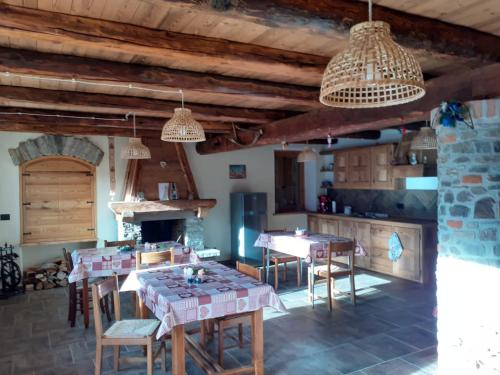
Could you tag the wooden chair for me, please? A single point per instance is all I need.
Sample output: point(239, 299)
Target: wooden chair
point(280, 258)
point(123, 332)
point(75, 294)
point(150, 258)
point(130, 243)
point(332, 270)
point(235, 320)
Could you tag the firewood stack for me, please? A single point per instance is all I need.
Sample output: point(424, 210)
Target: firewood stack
point(47, 276)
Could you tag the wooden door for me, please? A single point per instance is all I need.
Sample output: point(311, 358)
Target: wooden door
point(57, 200)
point(359, 168)
point(381, 157)
point(340, 168)
point(362, 233)
point(408, 266)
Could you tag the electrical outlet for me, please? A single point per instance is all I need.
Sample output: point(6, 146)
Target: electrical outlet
point(5, 217)
point(400, 206)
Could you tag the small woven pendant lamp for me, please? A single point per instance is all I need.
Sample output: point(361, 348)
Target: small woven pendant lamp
point(135, 149)
point(374, 71)
point(182, 127)
point(307, 155)
point(424, 140)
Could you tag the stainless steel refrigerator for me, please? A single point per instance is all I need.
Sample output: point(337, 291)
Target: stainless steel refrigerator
point(248, 220)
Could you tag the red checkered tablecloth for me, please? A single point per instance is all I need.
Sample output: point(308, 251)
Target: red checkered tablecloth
point(309, 247)
point(104, 262)
point(225, 292)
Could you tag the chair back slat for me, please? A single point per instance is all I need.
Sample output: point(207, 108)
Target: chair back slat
point(249, 270)
point(101, 290)
point(130, 243)
point(341, 246)
point(153, 257)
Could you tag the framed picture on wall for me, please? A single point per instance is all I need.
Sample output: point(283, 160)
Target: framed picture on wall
point(237, 171)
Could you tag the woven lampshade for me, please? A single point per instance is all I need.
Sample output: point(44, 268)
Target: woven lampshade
point(182, 127)
point(373, 71)
point(306, 155)
point(135, 150)
point(424, 140)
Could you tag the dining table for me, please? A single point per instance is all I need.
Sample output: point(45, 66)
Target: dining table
point(176, 301)
point(311, 247)
point(104, 262)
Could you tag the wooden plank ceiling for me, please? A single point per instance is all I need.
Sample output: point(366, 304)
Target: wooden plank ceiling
point(252, 63)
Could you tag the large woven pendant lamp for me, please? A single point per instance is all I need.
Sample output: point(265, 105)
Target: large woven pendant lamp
point(182, 127)
point(373, 71)
point(135, 149)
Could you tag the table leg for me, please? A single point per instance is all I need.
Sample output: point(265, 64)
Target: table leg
point(310, 280)
point(258, 342)
point(85, 302)
point(178, 345)
point(267, 264)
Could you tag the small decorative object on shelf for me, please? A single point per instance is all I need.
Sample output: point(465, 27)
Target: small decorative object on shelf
point(326, 184)
point(324, 204)
point(450, 113)
point(10, 272)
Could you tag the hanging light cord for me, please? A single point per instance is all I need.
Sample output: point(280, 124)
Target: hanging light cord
point(124, 118)
point(370, 10)
point(89, 83)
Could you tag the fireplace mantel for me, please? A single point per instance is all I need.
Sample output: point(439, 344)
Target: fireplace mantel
point(134, 212)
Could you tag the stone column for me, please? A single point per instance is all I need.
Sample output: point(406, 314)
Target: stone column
point(468, 268)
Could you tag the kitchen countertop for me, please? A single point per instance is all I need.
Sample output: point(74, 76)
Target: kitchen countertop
point(390, 219)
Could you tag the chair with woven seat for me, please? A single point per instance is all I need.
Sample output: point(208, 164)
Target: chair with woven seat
point(130, 243)
point(278, 258)
point(332, 270)
point(123, 332)
point(150, 258)
point(229, 321)
point(75, 294)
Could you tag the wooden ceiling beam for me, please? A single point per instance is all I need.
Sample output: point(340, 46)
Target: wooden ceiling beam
point(198, 52)
point(474, 84)
point(28, 97)
point(213, 87)
point(44, 121)
point(334, 18)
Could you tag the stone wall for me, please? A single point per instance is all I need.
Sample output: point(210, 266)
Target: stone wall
point(468, 269)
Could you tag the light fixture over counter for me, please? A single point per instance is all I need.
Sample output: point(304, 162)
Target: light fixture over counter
point(373, 71)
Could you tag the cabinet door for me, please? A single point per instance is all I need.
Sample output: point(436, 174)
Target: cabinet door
point(362, 233)
point(359, 168)
point(333, 227)
point(313, 224)
point(381, 157)
point(379, 248)
point(322, 225)
point(340, 164)
point(408, 266)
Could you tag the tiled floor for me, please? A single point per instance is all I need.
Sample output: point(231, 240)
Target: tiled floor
point(390, 331)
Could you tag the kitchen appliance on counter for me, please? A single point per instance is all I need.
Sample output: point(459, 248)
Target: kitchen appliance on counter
point(324, 204)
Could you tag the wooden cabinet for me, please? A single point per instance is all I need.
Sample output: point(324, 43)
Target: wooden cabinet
point(417, 261)
point(381, 157)
point(364, 168)
point(359, 168)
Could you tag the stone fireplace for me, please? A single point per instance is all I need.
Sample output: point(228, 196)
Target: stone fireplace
point(188, 231)
point(157, 221)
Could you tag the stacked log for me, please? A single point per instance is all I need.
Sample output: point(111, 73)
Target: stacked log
point(47, 276)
